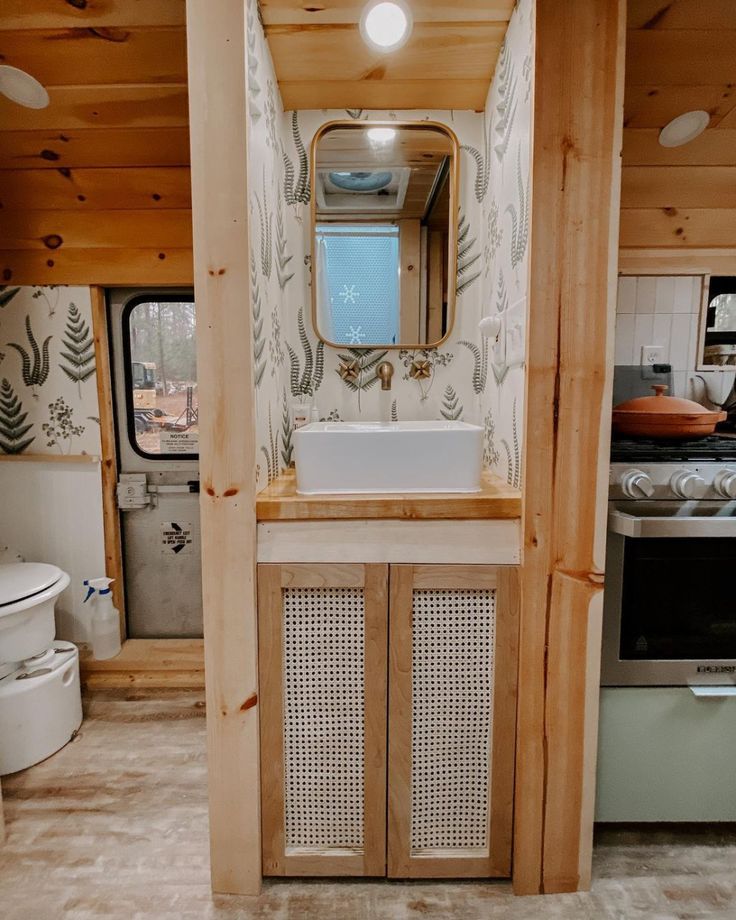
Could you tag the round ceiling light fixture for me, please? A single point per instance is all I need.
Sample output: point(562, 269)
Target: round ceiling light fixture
point(381, 135)
point(22, 88)
point(684, 128)
point(386, 26)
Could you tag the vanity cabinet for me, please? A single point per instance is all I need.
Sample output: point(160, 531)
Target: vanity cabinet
point(387, 718)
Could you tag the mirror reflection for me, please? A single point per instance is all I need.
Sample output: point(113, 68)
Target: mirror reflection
point(384, 229)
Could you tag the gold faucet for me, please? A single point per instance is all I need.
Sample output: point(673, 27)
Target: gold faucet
point(385, 372)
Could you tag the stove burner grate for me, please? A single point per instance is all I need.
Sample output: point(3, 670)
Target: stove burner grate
point(713, 447)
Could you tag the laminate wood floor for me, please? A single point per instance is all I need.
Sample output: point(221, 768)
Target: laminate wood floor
point(115, 826)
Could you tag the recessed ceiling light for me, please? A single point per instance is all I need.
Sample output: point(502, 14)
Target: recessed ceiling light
point(381, 135)
point(684, 128)
point(22, 88)
point(386, 26)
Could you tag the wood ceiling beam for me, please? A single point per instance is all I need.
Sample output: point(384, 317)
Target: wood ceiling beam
point(94, 147)
point(713, 148)
point(73, 57)
point(342, 11)
point(693, 15)
point(385, 94)
point(75, 107)
point(51, 231)
point(107, 267)
point(653, 106)
point(156, 187)
point(40, 14)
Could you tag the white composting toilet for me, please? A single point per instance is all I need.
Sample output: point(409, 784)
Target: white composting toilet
point(40, 698)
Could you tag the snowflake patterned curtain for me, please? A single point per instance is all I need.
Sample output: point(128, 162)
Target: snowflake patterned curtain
point(361, 264)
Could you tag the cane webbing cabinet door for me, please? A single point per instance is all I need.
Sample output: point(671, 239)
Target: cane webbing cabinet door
point(322, 674)
point(453, 633)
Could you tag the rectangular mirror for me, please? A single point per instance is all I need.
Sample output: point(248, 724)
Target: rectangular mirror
point(384, 233)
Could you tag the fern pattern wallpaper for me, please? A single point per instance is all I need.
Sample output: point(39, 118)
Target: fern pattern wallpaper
point(472, 378)
point(48, 394)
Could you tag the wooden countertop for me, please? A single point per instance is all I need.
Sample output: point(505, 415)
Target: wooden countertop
point(280, 502)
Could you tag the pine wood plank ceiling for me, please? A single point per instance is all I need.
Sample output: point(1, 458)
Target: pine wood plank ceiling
point(322, 62)
point(95, 188)
point(680, 55)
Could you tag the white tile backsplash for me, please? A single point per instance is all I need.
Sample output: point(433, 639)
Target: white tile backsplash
point(680, 356)
point(646, 294)
point(659, 310)
point(626, 302)
point(686, 299)
point(662, 333)
point(624, 349)
point(643, 332)
point(664, 295)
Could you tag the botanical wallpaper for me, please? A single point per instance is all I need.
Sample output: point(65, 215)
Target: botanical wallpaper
point(502, 190)
point(48, 396)
point(469, 379)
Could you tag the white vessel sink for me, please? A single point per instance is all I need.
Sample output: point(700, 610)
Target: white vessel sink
point(339, 457)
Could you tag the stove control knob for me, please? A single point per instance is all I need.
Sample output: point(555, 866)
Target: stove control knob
point(637, 484)
point(687, 484)
point(725, 483)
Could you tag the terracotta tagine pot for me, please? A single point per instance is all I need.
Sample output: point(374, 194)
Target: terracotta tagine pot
point(661, 416)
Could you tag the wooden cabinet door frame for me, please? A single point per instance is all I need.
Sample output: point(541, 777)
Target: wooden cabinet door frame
point(370, 860)
point(405, 579)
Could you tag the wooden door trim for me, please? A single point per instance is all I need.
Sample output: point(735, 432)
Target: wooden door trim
point(109, 453)
point(403, 581)
point(272, 579)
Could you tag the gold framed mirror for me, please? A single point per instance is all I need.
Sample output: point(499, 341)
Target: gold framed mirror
point(384, 214)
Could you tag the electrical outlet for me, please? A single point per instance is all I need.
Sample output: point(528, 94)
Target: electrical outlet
point(651, 354)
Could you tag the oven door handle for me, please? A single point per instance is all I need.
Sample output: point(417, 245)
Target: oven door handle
point(630, 525)
point(713, 692)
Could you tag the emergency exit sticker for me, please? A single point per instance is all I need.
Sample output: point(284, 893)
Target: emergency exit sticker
point(176, 537)
point(179, 442)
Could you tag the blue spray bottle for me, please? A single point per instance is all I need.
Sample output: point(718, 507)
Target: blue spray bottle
point(105, 619)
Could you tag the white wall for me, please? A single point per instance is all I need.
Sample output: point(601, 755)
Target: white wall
point(660, 310)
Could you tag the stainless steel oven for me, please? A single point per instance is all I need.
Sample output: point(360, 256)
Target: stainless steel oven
point(670, 600)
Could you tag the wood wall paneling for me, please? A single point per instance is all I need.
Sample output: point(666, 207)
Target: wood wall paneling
point(680, 56)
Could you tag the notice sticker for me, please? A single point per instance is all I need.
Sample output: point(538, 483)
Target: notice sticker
point(176, 538)
point(179, 442)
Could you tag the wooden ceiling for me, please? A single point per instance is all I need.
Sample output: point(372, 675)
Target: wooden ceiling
point(95, 188)
point(680, 55)
point(321, 60)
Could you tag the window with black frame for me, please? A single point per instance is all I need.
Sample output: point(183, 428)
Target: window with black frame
point(161, 377)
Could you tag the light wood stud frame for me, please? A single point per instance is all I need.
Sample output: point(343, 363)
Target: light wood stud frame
point(108, 448)
point(578, 113)
point(219, 152)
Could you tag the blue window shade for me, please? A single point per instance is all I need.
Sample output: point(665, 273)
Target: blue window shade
point(360, 264)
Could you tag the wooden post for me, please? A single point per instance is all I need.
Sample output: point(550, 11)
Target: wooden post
point(578, 112)
point(217, 114)
point(109, 455)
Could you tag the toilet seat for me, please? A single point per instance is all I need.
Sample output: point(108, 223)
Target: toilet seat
point(28, 593)
point(22, 580)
